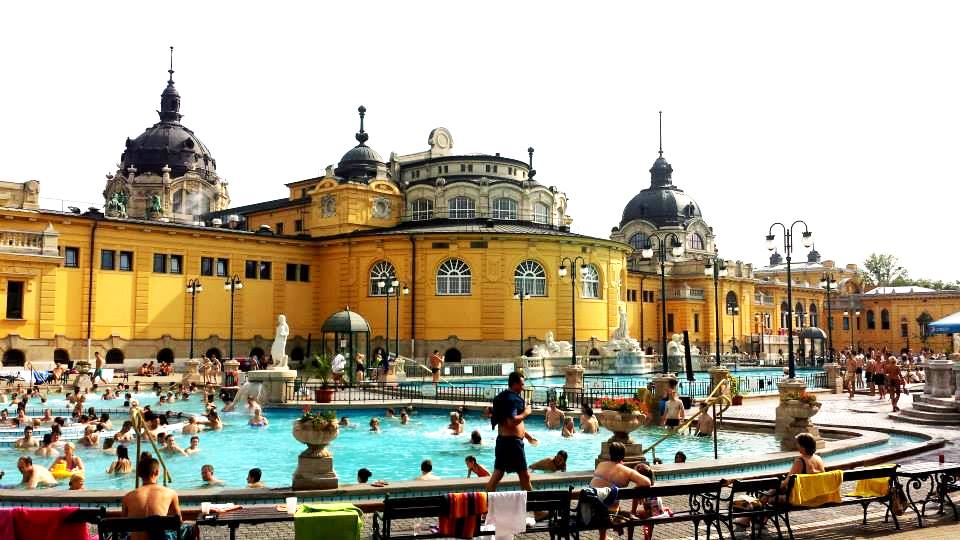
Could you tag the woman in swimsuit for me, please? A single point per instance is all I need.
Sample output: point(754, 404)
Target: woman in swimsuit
point(808, 462)
point(615, 473)
point(71, 462)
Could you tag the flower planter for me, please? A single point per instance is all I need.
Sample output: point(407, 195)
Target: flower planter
point(621, 424)
point(799, 410)
point(323, 395)
point(316, 438)
point(737, 400)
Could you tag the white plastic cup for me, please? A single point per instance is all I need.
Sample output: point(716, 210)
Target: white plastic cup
point(291, 505)
point(204, 508)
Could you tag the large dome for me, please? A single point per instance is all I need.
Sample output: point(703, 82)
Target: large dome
point(169, 143)
point(663, 203)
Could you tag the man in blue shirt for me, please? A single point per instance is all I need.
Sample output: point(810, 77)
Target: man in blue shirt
point(508, 413)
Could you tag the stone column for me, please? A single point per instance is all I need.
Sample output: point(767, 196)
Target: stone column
point(663, 384)
point(192, 372)
point(834, 380)
point(275, 383)
point(789, 420)
point(940, 378)
point(573, 383)
point(956, 375)
point(231, 366)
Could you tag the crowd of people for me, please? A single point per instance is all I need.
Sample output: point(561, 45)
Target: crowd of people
point(881, 372)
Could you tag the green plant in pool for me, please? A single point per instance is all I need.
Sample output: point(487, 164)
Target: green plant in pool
point(321, 420)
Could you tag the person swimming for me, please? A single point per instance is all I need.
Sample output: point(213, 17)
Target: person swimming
point(258, 419)
point(375, 425)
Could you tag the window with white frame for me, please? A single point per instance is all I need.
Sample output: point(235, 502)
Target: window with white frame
point(638, 241)
point(695, 241)
point(462, 208)
point(421, 209)
point(530, 279)
point(381, 273)
point(541, 213)
point(590, 282)
point(453, 278)
point(504, 208)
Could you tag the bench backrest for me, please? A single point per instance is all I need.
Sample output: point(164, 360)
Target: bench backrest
point(154, 526)
point(414, 507)
point(756, 485)
point(703, 497)
point(870, 472)
point(543, 501)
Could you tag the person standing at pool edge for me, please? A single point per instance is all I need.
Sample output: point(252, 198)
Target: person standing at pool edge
point(436, 362)
point(508, 413)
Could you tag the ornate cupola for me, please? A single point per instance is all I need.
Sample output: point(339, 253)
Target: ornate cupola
point(814, 256)
point(775, 259)
point(360, 163)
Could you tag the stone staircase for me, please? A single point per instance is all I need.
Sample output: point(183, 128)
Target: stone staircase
point(929, 411)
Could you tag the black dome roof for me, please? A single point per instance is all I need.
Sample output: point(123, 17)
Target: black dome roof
point(169, 143)
point(663, 203)
point(361, 161)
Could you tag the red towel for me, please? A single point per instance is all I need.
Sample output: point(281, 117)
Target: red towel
point(463, 519)
point(6, 524)
point(47, 524)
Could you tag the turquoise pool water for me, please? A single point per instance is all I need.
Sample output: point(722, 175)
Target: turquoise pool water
point(394, 454)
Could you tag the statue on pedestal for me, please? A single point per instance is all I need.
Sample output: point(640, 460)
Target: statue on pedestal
point(278, 350)
point(675, 346)
point(552, 348)
point(621, 340)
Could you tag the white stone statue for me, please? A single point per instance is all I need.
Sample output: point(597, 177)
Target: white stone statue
point(621, 340)
point(694, 351)
point(279, 349)
point(675, 346)
point(956, 342)
point(551, 348)
point(621, 332)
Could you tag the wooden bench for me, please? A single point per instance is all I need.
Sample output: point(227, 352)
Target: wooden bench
point(156, 527)
point(554, 503)
point(703, 506)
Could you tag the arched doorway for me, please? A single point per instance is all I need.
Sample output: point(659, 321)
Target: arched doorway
point(297, 354)
point(528, 353)
point(165, 356)
point(594, 352)
point(258, 352)
point(61, 356)
point(114, 356)
point(452, 355)
point(14, 358)
point(214, 352)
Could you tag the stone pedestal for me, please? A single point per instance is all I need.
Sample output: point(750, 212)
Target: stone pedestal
point(231, 368)
point(621, 424)
point(956, 374)
point(940, 378)
point(663, 384)
point(792, 417)
point(573, 383)
point(275, 383)
point(192, 373)
point(315, 472)
point(717, 375)
point(834, 380)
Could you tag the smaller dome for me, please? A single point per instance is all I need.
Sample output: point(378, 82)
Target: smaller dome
point(813, 256)
point(775, 259)
point(361, 161)
point(345, 321)
point(361, 152)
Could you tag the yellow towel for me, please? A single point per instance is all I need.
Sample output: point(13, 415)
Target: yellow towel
point(813, 490)
point(871, 487)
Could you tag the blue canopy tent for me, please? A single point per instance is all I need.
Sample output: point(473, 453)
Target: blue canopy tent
point(947, 325)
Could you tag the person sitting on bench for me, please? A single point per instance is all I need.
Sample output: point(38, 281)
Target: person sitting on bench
point(150, 499)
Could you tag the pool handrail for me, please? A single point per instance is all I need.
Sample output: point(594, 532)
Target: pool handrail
point(442, 378)
point(139, 427)
point(722, 398)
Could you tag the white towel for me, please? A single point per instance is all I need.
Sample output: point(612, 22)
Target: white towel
point(507, 512)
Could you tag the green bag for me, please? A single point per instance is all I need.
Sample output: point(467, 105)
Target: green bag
point(328, 521)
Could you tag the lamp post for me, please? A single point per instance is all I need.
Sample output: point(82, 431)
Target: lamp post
point(807, 239)
point(522, 295)
point(856, 314)
point(828, 280)
point(564, 261)
point(733, 310)
point(759, 317)
point(676, 249)
point(193, 287)
point(233, 285)
point(717, 268)
point(399, 289)
point(386, 297)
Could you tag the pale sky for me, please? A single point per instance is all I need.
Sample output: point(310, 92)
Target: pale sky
point(844, 114)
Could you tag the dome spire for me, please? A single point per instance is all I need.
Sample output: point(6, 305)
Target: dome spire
point(533, 171)
point(170, 98)
point(362, 135)
point(658, 112)
point(661, 172)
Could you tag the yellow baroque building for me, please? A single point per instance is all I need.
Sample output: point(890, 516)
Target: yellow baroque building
point(432, 248)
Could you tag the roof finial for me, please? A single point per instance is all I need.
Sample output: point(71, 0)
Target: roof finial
point(661, 132)
point(170, 71)
point(532, 171)
point(362, 135)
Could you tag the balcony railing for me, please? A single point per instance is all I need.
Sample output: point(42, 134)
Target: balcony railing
point(762, 300)
point(29, 243)
point(685, 293)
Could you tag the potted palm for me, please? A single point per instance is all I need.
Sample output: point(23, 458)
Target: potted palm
point(736, 393)
point(321, 367)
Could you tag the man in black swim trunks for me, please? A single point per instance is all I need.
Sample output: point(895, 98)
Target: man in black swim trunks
point(436, 362)
point(508, 413)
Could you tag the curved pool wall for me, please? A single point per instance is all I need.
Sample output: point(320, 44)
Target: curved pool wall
point(849, 448)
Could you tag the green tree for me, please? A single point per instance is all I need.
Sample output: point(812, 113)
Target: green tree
point(883, 269)
point(923, 320)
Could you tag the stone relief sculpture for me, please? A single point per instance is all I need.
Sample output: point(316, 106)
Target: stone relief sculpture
point(550, 348)
point(675, 346)
point(279, 348)
point(117, 205)
point(156, 207)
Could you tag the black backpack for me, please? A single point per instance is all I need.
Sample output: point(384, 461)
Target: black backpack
point(591, 511)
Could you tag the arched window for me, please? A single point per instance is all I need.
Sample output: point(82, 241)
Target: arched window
point(541, 213)
point(590, 280)
point(14, 358)
point(884, 320)
point(452, 355)
point(61, 356)
point(733, 305)
point(638, 241)
point(462, 208)
point(814, 316)
point(504, 208)
point(453, 278)
point(529, 278)
point(114, 356)
point(165, 356)
point(800, 315)
point(784, 313)
point(178, 201)
point(382, 275)
point(871, 320)
point(214, 352)
point(695, 241)
point(421, 209)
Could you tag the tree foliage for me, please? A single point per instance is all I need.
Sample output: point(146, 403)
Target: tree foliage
point(882, 270)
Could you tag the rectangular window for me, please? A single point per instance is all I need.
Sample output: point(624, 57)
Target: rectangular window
point(494, 168)
point(463, 168)
point(696, 322)
point(176, 264)
point(858, 323)
point(488, 168)
point(264, 269)
point(298, 225)
point(303, 193)
point(14, 299)
point(223, 267)
point(126, 261)
point(250, 270)
point(160, 263)
point(669, 322)
point(206, 266)
point(830, 323)
point(904, 331)
point(470, 168)
point(108, 259)
point(279, 228)
point(291, 272)
point(71, 257)
point(846, 323)
point(304, 272)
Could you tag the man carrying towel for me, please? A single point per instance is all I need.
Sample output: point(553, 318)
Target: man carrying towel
point(508, 413)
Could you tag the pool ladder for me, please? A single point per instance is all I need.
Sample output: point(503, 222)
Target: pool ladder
point(716, 397)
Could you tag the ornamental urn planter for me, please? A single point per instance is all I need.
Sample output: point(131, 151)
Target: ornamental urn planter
point(621, 424)
point(799, 410)
point(316, 438)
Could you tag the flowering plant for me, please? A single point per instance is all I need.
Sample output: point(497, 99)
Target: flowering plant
point(623, 405)
point(320, 419)
point(803, 397)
